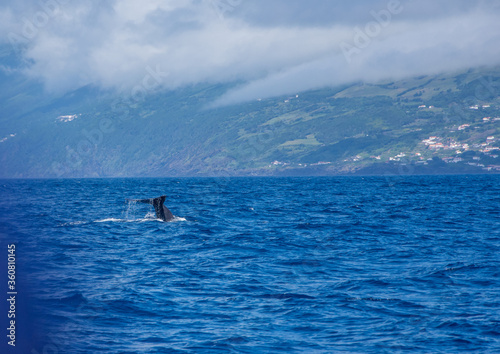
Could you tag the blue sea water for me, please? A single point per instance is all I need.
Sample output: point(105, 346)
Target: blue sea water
point(255, 265)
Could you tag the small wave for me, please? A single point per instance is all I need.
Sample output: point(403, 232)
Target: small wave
point(153, 218)
point(145, 219)
point(286, 296)
point(73, 223)
point(126, 220)
point(111, 220)
point(75, 299)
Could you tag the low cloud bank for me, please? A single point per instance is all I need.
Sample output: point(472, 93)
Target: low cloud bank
point(276, 49)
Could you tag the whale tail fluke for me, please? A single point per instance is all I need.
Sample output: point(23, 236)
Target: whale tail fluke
point(162, 212)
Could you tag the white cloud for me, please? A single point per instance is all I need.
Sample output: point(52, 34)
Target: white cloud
point(277, 48)
point(408, 49)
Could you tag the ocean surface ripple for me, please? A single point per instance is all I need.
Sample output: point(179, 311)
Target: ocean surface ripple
point(316, 265)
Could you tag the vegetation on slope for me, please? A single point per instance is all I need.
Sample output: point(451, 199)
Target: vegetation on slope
point(358, 128)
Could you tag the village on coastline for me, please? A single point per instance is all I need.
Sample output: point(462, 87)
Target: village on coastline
point(476, 148)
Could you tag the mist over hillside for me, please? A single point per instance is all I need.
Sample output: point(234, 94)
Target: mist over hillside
point(426, 124)
point(183, 88)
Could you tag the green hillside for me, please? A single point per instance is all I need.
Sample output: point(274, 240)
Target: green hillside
point(359, 128)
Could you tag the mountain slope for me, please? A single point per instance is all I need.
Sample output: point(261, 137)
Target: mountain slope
point(363, 128)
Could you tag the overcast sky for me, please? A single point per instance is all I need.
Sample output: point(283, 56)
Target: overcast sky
point(274, 47)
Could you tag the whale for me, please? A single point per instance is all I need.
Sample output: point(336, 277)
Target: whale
point(162, 212)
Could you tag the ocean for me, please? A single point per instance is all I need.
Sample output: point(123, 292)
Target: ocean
point(253, 265)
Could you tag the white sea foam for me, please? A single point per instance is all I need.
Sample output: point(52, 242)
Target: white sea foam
point(74, 223)
point(147, 218)
point(111, 220)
